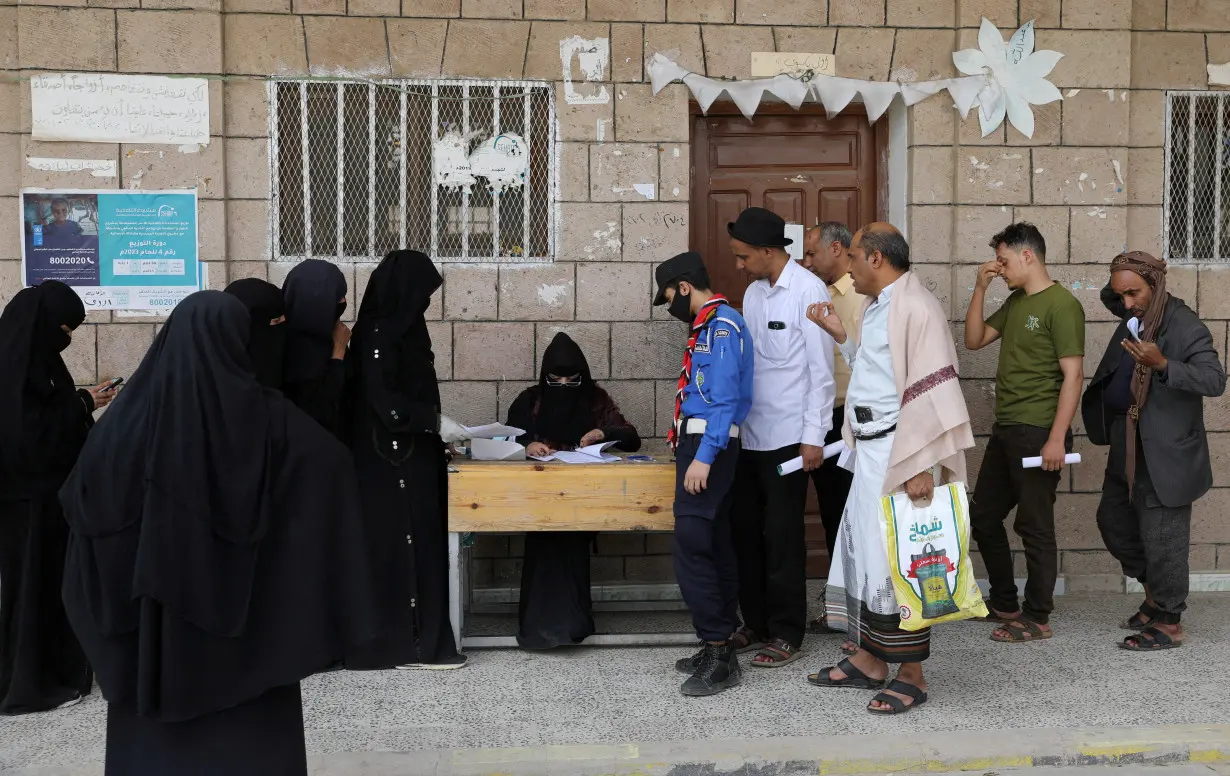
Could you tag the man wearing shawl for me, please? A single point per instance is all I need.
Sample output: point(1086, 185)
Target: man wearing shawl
point(1146, 400)
point(905, 416)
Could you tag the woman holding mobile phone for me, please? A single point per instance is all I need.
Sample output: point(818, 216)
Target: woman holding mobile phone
point(44, 420)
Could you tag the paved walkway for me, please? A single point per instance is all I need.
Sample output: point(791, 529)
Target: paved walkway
point(617, 696)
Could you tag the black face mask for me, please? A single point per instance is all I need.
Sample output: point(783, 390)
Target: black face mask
point(681, 307)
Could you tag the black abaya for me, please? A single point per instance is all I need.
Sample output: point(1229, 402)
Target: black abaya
point(555, 607)
point(314, 380)
point(43, 424)
point(216, 555)
point(401, 464)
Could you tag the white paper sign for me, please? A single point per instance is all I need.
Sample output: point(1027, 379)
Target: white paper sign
point(795, 232)
point(110, 108)
point(504, 160)
point(99, 168)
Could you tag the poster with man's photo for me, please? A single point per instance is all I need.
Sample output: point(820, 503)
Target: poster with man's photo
point(120, 250)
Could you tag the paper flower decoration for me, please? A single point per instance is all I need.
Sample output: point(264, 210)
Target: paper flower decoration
point(1016, 77)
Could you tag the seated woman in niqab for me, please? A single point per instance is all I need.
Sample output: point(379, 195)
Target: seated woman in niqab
point(267, 343)
point(315, 373)
point(564, 411)
point(44, 420)
point(216, 557)
point(394, 428)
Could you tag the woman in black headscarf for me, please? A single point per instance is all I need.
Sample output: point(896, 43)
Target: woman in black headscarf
point(315, 376)
point(564, 411)
point(394, 430)
point(216, 557)
point(267, 343)
point(44, 420)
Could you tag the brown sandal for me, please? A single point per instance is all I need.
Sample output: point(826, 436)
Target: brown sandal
point(1019, 631)
point(745, 640)
point(777, 653)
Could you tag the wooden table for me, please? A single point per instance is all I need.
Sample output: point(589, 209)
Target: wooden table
point(517, 496)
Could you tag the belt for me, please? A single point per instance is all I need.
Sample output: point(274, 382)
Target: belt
point(877, 435)
point(698, 426)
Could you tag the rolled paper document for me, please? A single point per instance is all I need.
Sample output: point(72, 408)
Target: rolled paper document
point(794, 464)
point(1036, 461)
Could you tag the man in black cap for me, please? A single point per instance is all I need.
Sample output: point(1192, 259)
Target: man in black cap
point(715, 393)
point(791, 413)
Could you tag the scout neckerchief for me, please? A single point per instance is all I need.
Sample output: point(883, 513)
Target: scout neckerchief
point(706, 314)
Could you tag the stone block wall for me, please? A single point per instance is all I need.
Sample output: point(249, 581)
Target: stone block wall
point(1091, 177)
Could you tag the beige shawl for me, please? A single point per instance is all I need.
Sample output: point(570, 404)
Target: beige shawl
point(934, 426)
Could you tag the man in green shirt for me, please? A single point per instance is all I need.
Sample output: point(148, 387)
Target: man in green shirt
point(1037, 392)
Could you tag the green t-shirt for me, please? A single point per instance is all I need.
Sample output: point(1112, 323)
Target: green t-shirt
point(1036, 332)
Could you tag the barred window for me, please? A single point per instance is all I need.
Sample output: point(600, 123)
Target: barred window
point(1197, 196)
point(363, 168)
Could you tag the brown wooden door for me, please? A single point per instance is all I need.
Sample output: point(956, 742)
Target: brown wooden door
point(803, 166)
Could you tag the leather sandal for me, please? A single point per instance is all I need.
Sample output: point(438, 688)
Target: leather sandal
point(854, 678)
point(897, 705)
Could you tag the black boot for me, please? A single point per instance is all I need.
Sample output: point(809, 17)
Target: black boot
point(687, 665)
point(717, 670)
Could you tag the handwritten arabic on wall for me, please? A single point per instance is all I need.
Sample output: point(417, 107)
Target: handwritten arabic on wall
point(108, 108)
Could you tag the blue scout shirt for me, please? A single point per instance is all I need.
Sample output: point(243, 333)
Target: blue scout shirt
point(721, 388)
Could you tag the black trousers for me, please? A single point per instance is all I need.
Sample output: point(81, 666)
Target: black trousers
point(1003, 484)
point(767, 519)
point(705, 565)
point(1150, 540)
point(832, 485)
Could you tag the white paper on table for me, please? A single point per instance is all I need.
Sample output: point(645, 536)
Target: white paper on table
point(451, 431)
point(493, 430)
point(588, 454)
point(1036, 461)
point(496, 450)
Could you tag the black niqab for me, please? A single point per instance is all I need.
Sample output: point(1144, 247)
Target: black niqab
point(393, 312)
point(31, 342)
point(267, 341)
point(565, 412)
point(181, 455)
point(312, 294)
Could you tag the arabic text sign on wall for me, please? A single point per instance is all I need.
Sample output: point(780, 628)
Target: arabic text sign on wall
point(109, 108)
point(119, 250)
point(766, 64)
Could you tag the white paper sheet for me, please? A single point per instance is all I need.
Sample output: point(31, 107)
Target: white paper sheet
point(492, 430)
point(115, 108)
point(1036, 461)
point(496, 450)
point(589, 454)
point(1133, 325)
point(837, 448)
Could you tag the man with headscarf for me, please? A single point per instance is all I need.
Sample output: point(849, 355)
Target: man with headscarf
point(315, 376)
point(566, 410)
point(267, 343)
point(907, 416)
point(44, 420)
point(1146, 400)
point(216, 557)
point(393, 420)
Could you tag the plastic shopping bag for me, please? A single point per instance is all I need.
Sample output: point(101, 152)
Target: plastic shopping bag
point(928, 556)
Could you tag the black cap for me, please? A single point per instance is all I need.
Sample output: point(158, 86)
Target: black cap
point(674, 268)
point(760, 227)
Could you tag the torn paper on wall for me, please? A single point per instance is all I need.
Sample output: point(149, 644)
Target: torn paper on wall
point(1219, 75)
point(504, 160)
point(450, 161)
point(99, 168)
point(590, 58)
point(110, 108)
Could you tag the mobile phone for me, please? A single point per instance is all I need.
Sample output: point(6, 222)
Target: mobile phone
point(113, 383)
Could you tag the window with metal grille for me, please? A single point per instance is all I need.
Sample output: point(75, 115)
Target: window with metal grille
point(1197, 212)
point(353, 174)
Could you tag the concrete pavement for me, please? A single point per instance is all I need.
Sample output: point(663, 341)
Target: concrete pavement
point(1075, 699)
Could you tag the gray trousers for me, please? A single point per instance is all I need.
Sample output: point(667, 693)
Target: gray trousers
point(1149, 540)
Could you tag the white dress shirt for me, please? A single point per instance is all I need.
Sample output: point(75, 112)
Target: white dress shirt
point(872, 383)
point(792, 386)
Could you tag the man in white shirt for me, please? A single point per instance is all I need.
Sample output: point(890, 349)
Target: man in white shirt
point(792, 411)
